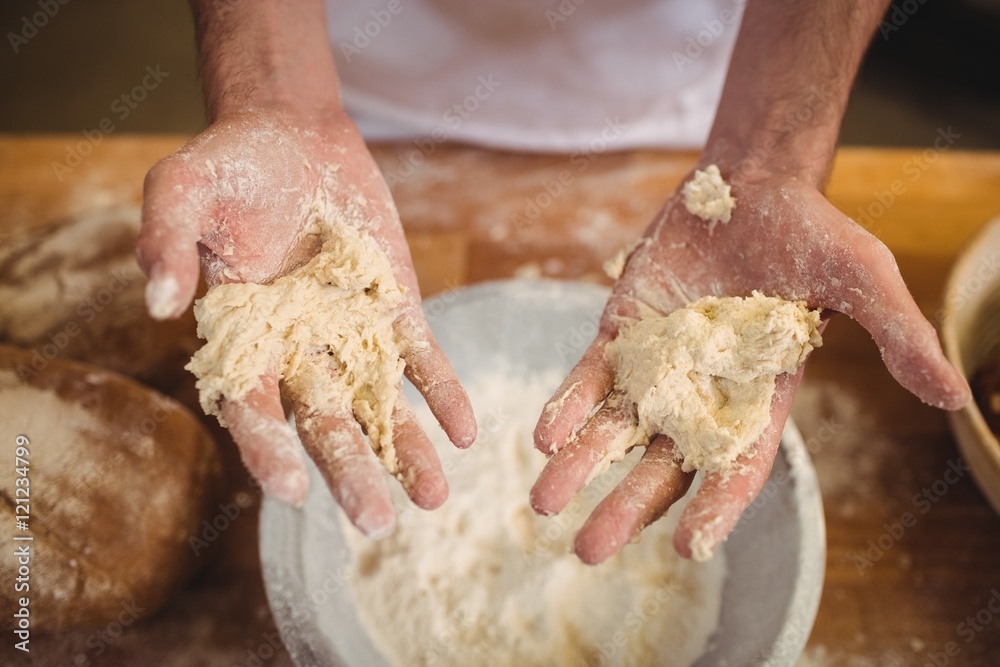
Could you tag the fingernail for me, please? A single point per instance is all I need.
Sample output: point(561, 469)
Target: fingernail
point(702, 546)
point(536, 500)
point(374, 525)
point(289, 487)
point(161, 295)
point(434, 495)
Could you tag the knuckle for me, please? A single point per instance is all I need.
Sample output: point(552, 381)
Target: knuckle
point(160, 172)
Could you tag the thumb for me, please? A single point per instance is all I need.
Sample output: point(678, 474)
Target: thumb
point(167, 245)
point(875, 295)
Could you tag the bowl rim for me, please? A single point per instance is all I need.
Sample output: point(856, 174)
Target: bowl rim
point(987, 234)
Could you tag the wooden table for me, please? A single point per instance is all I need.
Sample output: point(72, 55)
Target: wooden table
point(876, 447)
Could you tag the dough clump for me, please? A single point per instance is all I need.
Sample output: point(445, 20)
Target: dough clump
point(704, 375)
point(615, 266)
point(325, 329)
point(707, 196)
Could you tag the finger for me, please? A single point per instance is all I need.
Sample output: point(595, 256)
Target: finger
point(167, 245)
point(715, 509)
point(646, 493)
point(431, 373)
point(604, 439)
point(420, 470)
point(351, 470)
point(590, 381)
point(876, 296)
point(267, 444)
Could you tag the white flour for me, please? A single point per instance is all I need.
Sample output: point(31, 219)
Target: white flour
point(60, 429)
point(485, 581)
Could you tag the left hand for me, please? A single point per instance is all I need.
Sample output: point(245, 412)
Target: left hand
point(784, 239)
point(238, 198)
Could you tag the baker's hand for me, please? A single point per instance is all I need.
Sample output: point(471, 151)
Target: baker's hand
point(784, 239)
point(235, 200)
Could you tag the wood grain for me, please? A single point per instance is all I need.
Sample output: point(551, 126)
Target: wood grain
point(474, 215)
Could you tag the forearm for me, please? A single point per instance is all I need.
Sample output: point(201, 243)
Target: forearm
point(258, 54)
point(788, 85)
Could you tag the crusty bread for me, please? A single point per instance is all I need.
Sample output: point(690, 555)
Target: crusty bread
point(73, 290)
point(121, 478)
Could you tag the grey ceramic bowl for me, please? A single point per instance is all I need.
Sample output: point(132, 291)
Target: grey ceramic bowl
point(775, 558)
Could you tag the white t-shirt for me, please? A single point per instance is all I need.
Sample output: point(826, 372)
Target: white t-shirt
point(542, 75)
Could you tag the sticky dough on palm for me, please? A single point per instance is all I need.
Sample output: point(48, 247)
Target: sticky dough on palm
point(704, 375)
point(325, 329)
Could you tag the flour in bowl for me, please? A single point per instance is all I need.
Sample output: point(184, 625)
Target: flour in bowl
point(485, 581)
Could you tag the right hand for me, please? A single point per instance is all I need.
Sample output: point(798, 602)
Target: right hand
point(785, 239)
point(235, 199)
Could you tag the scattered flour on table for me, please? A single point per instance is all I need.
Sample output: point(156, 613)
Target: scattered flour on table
point(704, 375)
point(857, 656)
point(708, 196)
point(816, 656)
point(325, 329)
point(848, 443)
point(529, 271)
point(485, 581)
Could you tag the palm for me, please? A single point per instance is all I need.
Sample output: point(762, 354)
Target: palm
point(238, 200)
point(784, 239)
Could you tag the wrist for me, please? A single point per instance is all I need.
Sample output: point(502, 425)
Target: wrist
point(793, 139)
point(787, 86)
point(266, 55)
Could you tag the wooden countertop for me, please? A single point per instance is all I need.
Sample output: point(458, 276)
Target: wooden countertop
point(880, 453)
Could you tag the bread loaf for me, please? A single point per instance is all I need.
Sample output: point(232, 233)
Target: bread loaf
point(73, 290)
point(119, 480)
